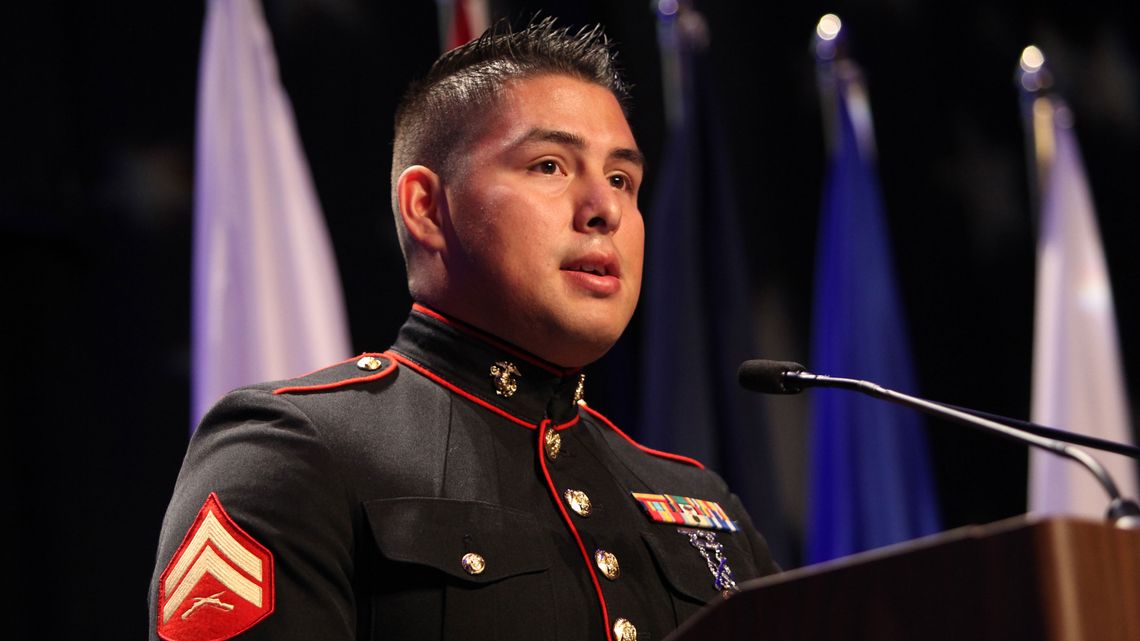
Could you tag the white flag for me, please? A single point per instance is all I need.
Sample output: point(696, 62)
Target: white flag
point(1078, 382)
point(267, 297)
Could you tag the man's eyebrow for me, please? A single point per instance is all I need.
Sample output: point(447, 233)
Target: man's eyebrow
point(577, 142)
point(553, 135)
point(629, 155)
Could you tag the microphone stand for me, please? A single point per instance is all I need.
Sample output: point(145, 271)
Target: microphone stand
point(1061, 435)
point(1122, 512)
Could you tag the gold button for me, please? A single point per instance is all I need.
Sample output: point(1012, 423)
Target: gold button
point(608, 564)
point(578, 501)
point(624, 630)
point(369, 363)
point(473, 563)
point(553, 443)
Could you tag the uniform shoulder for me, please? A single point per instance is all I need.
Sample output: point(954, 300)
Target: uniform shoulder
point(369, 366)
point(614, 431)
point(671, 478)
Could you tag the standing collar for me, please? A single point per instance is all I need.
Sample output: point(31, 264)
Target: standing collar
point(487, 370)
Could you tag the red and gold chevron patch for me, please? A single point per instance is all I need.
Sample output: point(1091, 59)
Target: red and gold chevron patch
point(218, 584)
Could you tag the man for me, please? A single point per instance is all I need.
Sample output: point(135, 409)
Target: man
point(457, 486)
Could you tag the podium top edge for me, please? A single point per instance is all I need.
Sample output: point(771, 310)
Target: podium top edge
point(968, 532)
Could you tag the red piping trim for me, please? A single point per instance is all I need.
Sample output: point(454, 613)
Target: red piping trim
point(467, 395)
point(571, 423)
point(343, 383)
point(487, 338)
point(647, 450)
point(573, 530)
point(321, 369)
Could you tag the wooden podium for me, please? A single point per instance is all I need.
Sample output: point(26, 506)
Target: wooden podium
point(1023, 578)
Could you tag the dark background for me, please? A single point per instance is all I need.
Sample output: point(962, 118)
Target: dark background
point(95, 204)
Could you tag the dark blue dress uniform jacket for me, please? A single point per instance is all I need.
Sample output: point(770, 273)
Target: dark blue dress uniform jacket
point(369, 486)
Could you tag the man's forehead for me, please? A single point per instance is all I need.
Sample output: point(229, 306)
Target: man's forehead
point(561, 109)
point(576, 141)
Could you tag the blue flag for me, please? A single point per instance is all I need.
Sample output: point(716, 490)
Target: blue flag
point(871, 483)
point(696, 318)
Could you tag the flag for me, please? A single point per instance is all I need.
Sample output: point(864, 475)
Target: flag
point(870, 481)
point(1078, 382)
point(461, 21)
point(267, 299)
point(696, 321)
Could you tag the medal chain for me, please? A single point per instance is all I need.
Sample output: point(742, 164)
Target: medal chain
point(716, 561)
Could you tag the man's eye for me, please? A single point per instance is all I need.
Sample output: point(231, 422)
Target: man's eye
point(548, 167)
point(618, 181)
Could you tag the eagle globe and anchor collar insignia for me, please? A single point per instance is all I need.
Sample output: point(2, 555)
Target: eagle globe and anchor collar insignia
point(505, 375)
point(218, 584)
point(486, 370)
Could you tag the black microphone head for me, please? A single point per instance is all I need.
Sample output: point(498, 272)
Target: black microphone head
point(766, 376)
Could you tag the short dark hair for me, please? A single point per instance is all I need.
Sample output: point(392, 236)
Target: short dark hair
point(434, 118)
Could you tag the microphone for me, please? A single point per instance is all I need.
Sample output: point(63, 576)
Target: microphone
point(785, 377)
point(769, 377)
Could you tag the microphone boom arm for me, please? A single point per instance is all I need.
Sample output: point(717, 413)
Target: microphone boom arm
point(1122, 511)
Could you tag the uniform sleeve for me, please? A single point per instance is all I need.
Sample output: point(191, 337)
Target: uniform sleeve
point(257, 542)
point(765, 565)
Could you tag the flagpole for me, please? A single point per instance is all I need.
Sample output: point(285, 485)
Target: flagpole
point(680, 28)
point(1034, 80)
point(829, 47)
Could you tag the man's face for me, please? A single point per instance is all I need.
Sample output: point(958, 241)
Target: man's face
point(546, 241)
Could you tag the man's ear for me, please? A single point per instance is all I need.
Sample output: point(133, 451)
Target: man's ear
point(423, 206)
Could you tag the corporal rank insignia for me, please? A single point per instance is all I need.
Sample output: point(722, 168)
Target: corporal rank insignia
point(218, 584)
point(682, 510)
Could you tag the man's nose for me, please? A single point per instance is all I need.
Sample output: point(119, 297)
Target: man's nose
point(599, 207)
